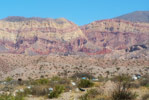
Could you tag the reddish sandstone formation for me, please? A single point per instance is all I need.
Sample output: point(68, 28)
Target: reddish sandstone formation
point(41, 37)
point(116, 34)
point(59, 36)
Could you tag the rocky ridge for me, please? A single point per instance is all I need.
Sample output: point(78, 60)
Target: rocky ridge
point(137, 16)
point(44, 36)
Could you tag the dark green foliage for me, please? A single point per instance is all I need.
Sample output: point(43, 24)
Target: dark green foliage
point(56, 92)
point(85, 83)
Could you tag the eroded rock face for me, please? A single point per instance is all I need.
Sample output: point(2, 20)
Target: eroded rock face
point(40, 37)
point(116, 34)
point(34, 36)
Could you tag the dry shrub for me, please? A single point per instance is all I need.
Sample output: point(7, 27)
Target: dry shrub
point(39, 90)
point(145, 97)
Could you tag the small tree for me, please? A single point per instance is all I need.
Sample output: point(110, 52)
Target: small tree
point(122, 92)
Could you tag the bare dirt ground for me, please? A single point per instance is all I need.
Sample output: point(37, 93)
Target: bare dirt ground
point(23, 66)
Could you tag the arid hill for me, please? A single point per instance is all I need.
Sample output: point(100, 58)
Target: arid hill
point(25, 66)
point(44, 36)
point(35, 47)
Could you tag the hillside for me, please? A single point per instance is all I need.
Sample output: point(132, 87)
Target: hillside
point(137, 16)
point(114, 38)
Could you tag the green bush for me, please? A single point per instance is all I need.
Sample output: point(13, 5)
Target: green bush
point(56, 92)
point(10, 97)
point(27, 91)
point(85, 83)
point(61, 81)
point(20, 96)
point(6, 97)
point(42, 81)
point(8, 79)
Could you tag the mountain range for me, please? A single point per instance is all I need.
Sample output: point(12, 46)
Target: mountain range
point(126, 36)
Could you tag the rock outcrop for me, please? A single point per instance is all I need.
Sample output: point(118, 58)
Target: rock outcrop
point(115, 34)
point(33, 36)
point(40, 37)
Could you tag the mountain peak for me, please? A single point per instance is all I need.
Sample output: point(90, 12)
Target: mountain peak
point(137, 16)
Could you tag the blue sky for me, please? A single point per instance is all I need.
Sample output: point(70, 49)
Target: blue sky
point(79, 11)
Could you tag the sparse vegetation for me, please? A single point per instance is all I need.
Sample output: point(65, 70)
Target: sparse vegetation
point(123, 95)
point(42, 88)
point(144, 81)
point(41, 81)
point(84, 83)
point(10, 97)
point(8, 79)
point(145, 97)
point(56, 92)
point(90, 95)
point(122, 92)
point(80, 75)
point(39, 90)
point(6, 97)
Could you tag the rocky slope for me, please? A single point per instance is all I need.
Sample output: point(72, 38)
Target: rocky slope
point(114, 42)
point(115, 34)
point(137, 16)
point(46, 36)
point(106, 38)
point(25, 66)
